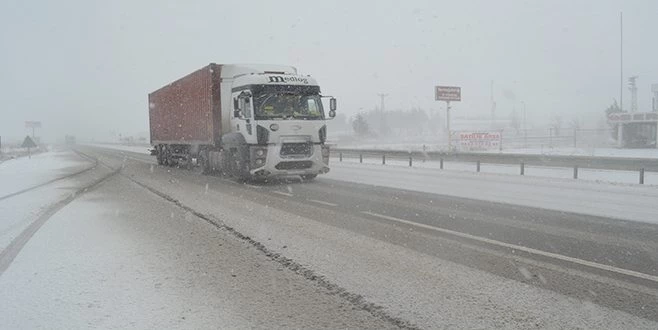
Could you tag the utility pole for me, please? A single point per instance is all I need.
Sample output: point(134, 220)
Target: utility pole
point(448, 125)
point(525, 127)
point(493, 106)
point(382, 128)
point(621, 61)
point(632, 83)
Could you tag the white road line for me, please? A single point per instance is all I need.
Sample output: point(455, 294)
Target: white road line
point(322, 202)
point(522, 248)
point(283, 193)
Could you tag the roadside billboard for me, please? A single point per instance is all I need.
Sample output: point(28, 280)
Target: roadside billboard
point(479, 140)
point(32, 124)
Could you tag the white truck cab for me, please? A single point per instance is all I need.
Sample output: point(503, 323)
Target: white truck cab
point(280, 118)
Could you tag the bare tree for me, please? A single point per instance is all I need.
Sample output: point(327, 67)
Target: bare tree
point(556, 124)
point(360, 125)
point(516, 121)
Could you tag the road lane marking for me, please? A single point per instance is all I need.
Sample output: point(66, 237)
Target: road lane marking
point(522, 248)
point(322, 202)
point(282, 193)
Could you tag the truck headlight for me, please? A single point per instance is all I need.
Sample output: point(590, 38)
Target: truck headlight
point(258, 156)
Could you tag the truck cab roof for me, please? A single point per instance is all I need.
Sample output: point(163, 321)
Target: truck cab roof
point(230, 71)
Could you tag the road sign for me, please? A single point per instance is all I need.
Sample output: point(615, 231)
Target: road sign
point(28, 143)
point(480, 140)
point(447, 93)
point(32, 124)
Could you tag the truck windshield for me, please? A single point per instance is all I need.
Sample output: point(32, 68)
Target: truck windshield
point(288, 104)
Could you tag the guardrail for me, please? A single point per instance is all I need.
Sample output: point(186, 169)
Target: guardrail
point(522, 160)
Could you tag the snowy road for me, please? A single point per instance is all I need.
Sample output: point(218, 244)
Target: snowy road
point(311, 255)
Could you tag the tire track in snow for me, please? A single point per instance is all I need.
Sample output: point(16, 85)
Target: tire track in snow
point(8, 255)
point(50, 181)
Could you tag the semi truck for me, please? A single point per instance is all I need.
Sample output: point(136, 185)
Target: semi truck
point(246, 121)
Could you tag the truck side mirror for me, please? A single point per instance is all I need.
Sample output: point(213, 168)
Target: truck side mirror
point(236, 104)
point(332, 104)
point(332, 113)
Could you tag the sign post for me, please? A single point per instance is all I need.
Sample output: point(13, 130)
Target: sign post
point(28, 143)
point(447, 94)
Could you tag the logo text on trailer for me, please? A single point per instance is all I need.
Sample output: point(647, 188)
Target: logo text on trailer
point(291, 79)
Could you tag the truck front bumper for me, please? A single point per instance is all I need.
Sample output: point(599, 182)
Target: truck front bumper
point(274, 164)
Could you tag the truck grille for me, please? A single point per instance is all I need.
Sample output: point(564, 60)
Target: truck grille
point(296, 149)
point(295, 165)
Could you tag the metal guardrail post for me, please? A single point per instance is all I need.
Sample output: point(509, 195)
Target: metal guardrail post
point(441, 163)
point(384, 159)
point(340, 156)
point(360, 158)
point(478, 166)
point(410, 161)
point(575, 172)
point(522, 168)
point(641, 176)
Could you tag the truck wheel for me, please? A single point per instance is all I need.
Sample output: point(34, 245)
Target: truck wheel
point(202, 160)
point(188, 162)
point(158, 156)
point(309, 177)
point(168, 160)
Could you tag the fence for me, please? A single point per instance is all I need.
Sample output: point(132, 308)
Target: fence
point(551, 138)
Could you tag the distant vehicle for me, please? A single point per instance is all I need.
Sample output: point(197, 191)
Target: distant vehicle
point(249, 121)
point(69, 140)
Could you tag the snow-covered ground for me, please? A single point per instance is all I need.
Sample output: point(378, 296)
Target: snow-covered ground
point(430, 291)
point(19, 211)
point(20, 173)
point(121, 257)
point(610, 176)
point(622, 201)
point(141, 149)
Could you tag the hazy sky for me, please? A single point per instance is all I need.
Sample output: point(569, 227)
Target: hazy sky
point(85, 67)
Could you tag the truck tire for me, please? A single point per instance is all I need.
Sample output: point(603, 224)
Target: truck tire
point(168, 160)
point(238, 165)
point(158, 155)
point(204, 162)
